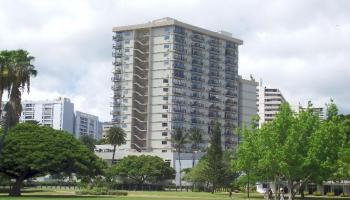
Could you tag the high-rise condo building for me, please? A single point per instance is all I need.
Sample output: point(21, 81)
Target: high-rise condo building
point(169, 75)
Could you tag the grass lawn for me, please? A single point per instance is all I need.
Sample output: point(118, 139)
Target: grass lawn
point(67, 195)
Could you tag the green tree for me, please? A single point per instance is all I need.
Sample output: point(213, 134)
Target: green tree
point(331, 110)
point(16, 70)
point(143, 169)
point(247, 154)
point(178, 140)
point(31, 150)
point(88, 141)
point(116, 136)
point(195, 138)
point(215, 168)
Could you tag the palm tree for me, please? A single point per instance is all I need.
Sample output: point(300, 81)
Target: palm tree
point(20, 74)
point(195, 137)
point(15, 73)
point(116, 137)
point(178, 140)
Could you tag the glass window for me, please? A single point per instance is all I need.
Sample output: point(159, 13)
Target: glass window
point(164, 151)
point(127, 50)
point(166, 46)
point(127, 41)
point(164, 116)
point(166, 37)
point(166, 62)
point(164, 124)
point(165, 98)
point(167, 28)
point(165, 89)
point(165, 107)
point(164, 133)
point(164, 142)
point(165, 81)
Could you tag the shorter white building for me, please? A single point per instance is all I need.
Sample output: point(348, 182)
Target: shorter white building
point(86, 124)
point(269, 101)
point(320, 111)
point(105, 127)
point(58, 114)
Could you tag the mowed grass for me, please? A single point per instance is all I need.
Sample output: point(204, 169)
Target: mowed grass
point(132, 195)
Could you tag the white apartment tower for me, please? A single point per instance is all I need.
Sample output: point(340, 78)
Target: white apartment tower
point(86, 124)
point(168, 75)
point(58, 114)
point(269, 101)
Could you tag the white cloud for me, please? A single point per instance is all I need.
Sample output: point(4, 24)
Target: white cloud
point(301, 47)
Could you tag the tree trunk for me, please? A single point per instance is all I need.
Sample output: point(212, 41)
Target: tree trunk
point(193, 158)
point(114, 146)
point(1, 93)
point(248, 185)
point(179, 169)
point(16, 188)
point(276, 188)
point(290, 190)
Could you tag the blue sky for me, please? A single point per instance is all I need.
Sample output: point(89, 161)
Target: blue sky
point(301, 47)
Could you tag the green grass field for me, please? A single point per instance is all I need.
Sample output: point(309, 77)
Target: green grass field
point(69, 195)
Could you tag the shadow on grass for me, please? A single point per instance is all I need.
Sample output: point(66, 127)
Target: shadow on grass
point(39, 196)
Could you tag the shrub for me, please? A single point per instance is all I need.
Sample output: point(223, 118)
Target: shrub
point(306, 193)
point(344, 195)
point(317, 193)
point(330, 194)
point(101, 191)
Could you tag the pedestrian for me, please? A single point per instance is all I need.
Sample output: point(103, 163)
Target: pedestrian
point(230, 193)
point(266, 194)
point(281, 194)
point(270, 194)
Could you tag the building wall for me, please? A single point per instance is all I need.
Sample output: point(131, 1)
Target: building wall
point(86, 124)
point(247, 107)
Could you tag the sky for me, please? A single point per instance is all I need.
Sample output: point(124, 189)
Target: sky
point(301, 47)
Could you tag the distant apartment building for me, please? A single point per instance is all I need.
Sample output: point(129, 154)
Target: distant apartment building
point(269, 101)
point(169, 75)
point(58, 114)
point(87, 124)
point(105, 127)
point(319, 111)
point(247, 107)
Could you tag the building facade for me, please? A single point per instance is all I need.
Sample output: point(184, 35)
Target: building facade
point(168, 75)
point(269, 101)
point(86, 124)
point(58, 114)
point(247, 106)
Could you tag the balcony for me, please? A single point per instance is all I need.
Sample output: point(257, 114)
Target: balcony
point(197, 45)
point(197, 70)
point(197, 37)
point(118, 37)
point(117, 63)
point(231, 94)
point(214, 114)
point(196, 104)
point(197, 79)
point(179, 30)
point(198, 88)
point(231, 45)
point(214, 82)
point(230, 102)
point(179, 65)
point(196, 113)
point(214, 42)
point(179, 39)
point(179, 48)
point(214, 66)
point(179, 57)
point(179, 83)
point(213, 98)
point(117, 45)
point(214, 91)
point(196, 61)
point(179, 110)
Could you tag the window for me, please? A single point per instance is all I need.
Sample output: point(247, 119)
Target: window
point(166, 46)
point(127, 50)
point(166, 54)
point(166, 62)
point(127, 41)
point(164, 142)
point(125, 100)
point(126, 58)
point(127, 33)
point(124, 126)
point(164, 116)
point(164, 124)
point(165, 98)
point(165, 81)
point(164, 151)
point(164, 133)
point(165, 107)
point(165, 89)
point(166, 37)
point(167, 29)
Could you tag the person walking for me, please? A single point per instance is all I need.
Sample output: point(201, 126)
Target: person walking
point(281, 194)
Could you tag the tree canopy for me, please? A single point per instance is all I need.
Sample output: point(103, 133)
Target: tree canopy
point(31, 150)
point(142, 169)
